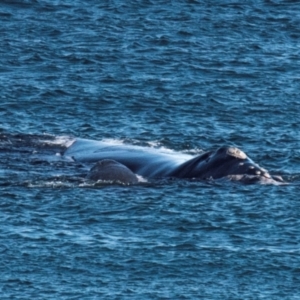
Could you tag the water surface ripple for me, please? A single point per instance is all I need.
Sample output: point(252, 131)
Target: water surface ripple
point(186, 76)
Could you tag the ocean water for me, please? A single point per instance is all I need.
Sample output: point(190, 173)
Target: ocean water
point(183, 76)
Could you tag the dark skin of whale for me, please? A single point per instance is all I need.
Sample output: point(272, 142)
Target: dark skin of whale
point(109, 170)
point(225, 162)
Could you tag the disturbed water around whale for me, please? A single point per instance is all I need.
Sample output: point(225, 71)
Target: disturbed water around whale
point(185, 77)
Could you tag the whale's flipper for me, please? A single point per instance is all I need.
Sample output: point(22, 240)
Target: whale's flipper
point(112, 171)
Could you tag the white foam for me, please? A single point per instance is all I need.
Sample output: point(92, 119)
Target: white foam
point(49, 184)
point(113, 142)
point(62, 140)
point(152, 146)
point(141, 178)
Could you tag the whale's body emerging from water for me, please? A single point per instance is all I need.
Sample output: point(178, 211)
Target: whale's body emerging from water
point(225, 162)
point(112, 171)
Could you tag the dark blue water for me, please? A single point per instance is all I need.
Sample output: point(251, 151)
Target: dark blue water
point(185, 76)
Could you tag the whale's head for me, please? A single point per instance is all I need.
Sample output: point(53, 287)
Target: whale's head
point(234, 164)
point(225, 162)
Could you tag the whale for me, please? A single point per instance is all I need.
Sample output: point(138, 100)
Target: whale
point(109, 170)
point(127, 160)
